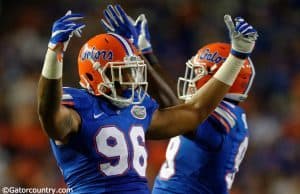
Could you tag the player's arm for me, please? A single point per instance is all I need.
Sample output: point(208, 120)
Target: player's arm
point(185, 118)
point(57, 120)
point(117, 21)
point(159, 79)
point(161, 86)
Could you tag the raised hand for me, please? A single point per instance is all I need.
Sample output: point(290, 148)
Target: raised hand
point(144, 43)
point(63, 29)
point(243, 36)
point(117, 21)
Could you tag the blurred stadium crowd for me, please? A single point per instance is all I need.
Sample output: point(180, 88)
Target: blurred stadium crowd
point(178, 29)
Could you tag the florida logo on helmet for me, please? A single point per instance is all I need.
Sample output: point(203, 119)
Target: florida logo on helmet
point(94, 54)
point(213, 57)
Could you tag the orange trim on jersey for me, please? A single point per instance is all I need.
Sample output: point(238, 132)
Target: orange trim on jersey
point(222, 121)
point(68, 103)
point(227, 110)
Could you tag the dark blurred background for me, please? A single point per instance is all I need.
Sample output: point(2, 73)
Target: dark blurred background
point(178, 29)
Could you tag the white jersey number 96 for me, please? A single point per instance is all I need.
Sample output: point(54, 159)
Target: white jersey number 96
point(111, 144)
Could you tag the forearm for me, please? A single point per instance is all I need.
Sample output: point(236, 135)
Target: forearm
point(160, 81)
point(49, 95)
point(50, 87)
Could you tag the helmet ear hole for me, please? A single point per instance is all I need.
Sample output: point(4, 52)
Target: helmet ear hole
point(89, 76)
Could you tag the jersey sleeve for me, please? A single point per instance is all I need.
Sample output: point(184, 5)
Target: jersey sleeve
point(210, 133)
point(223, 118)
point(76, 99)
point(208, 137)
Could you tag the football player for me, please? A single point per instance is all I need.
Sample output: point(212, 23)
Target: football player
point(204, 160)
point(98, 133)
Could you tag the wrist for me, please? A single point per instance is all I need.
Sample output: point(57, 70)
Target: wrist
point(229, 70)
point(57, 47)
point(151, 58)
point(144, 45)
point(52, 68)
point(52, 45)
point(146, 50)
point(238, 54)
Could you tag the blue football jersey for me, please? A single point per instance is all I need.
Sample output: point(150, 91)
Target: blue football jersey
point(207, 161)
point(108, 154)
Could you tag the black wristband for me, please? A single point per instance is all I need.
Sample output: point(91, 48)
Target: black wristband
point(239, 55)
point(152, 59)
